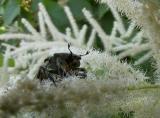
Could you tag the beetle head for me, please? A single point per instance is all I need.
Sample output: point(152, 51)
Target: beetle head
point(75, 59)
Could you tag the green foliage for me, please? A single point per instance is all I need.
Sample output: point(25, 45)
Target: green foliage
point(101, 11)
point(10, 61)
point(12, 10)
point(77, 5)
point(57, 14)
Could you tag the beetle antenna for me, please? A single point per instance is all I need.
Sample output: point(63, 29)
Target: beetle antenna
point(85, 54)
point(69, 45)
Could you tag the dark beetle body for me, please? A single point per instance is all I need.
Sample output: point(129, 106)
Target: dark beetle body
point(61, 65)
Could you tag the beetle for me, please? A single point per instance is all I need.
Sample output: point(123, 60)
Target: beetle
point(61, 65)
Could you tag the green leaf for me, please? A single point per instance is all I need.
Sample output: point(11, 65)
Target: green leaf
point(76, 7)
point(57, 14)
point(34, 5)
point(11, 11)
point(107, 22)
point(1, 10)
point(2, 2)
point(2, 30)
point(11, 62)
point(101, 10)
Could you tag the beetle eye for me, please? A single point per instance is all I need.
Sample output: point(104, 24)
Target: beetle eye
point(69, 60)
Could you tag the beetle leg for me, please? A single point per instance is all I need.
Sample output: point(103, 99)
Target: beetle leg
point(52, 79)
point(41, 73)
point(81, 69)
point(80, 72)
point(44, 74)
